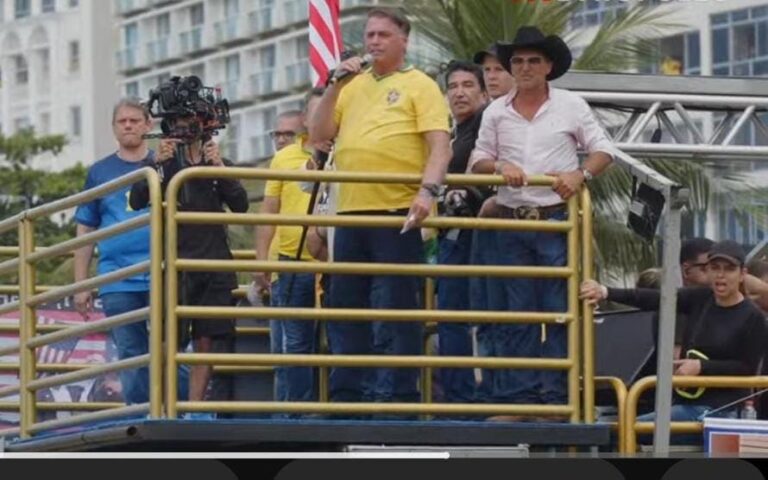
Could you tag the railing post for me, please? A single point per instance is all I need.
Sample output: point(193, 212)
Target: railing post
point(573, 327)
point(155, 297)
point(588, 313)
point(171, 300)
point(27, 326)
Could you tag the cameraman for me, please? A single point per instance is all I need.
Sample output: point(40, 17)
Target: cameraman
point(467, 98)
point(200, 242)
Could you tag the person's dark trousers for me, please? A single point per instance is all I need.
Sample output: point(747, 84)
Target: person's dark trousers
point(529, 340)
point(455, 339)
point(132, 340)
point(482, 290)
point(297, 290)
point(378, 245)
point(276, 345)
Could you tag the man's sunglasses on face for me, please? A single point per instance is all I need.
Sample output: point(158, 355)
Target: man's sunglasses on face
point(275, 134)
point(518, 61)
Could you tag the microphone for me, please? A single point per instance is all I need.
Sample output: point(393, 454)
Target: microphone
point(340, 75)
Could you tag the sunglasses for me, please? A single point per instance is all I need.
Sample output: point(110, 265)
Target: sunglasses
point(518, 61)
point(282, 134)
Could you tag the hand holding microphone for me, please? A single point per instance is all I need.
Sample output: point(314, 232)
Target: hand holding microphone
point(349, 68)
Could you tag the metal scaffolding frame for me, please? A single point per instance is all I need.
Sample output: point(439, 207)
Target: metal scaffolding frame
point(629, 103)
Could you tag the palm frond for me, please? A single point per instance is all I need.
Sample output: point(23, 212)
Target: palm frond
point(624, 41)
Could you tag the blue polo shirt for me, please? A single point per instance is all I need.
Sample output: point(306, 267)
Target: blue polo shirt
point(121, 250)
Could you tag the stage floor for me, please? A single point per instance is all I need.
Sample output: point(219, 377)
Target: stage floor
point(305, 435)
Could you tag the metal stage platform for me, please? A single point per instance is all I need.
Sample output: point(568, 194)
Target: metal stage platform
point(307, 435)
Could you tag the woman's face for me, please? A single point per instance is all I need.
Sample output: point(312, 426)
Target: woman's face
point(725, 277)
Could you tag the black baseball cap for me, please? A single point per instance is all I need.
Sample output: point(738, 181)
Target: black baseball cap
point(727, 250)
point(479, 57)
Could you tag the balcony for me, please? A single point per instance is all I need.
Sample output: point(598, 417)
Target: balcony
point(233, 29)
point(297, 74)
point(131, 7)
point(263, 83)
point(261, 146)
point(194, 41)
point(160, 50)
point(129, 59)
point(295, 11)
point(261, 20)
point(235, 91)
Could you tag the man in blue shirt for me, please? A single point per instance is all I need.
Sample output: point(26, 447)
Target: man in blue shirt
point(130, 121)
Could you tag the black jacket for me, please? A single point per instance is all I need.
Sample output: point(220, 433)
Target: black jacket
point(198, 195)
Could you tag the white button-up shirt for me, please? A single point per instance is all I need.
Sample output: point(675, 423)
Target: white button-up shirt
point(548, 143)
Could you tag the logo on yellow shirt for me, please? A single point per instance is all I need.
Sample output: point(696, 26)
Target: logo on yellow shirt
point(393, 96)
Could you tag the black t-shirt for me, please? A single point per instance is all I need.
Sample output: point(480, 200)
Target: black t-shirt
point(731, 337)
point(463, 142)
point(199, 195)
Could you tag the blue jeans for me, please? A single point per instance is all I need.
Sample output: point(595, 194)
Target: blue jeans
point(133, 340)
point(276, 345)
point(525, 340)
point(298, 336)
point(686, 413)
point(455, 339)
point(380, 245)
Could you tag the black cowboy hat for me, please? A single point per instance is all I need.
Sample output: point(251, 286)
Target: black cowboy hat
point(531, 37)
point(479, 57)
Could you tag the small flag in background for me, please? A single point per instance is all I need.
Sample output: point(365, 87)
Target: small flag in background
point(324, 39)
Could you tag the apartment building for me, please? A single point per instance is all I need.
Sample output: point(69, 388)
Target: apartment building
point(57, 75)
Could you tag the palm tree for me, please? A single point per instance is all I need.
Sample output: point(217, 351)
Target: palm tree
point(624, 41)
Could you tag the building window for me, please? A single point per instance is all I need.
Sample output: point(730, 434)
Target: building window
point(45, 123)
point(21, 123)
point(22, 8)
point(163, 25)
point(678, 55)
point(595, 12)
point(74, 56)
point(74, 3)
point(196, 14)
point(48, 6)
point(740, 42)
point(75, 121)
point(132, 89)
point(197, 70)
point(22, 70)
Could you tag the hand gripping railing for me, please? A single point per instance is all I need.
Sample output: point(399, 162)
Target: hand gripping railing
point(633, 427)
point(175, 311)
point(31, 296)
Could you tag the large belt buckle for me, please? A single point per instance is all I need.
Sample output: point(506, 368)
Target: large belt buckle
point(528, 213)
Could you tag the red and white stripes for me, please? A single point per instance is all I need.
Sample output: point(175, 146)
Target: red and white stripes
point(325, 43)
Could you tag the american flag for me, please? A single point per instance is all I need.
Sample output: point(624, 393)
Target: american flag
point(91, 348)
point(324, 38)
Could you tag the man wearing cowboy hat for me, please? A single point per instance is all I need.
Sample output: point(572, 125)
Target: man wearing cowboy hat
point(534, 130)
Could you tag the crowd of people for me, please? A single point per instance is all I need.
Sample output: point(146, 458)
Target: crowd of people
point(499, 115)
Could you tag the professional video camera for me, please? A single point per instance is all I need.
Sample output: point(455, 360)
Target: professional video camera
point(189, 110)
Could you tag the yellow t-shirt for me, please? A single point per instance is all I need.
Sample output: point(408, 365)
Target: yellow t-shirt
point(293, 201)
point(381, 125)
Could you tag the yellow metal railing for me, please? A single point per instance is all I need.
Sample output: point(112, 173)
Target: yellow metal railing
point(175, 311)
point(620, 389)
point(579, 340)
point(633, 427)
point(32, 337)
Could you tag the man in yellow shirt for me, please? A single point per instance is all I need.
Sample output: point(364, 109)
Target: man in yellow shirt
point(293, 290)
point(390, 118)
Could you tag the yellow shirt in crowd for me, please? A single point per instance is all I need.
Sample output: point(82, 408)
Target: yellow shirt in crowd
point(381, 124)
point(293, 201)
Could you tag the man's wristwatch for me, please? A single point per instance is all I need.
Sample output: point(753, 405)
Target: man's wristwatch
point(432, 189)
point(587, 174)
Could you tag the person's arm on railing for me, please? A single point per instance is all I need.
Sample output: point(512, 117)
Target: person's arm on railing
point(83, 256)
point(643, 298)
point(757, 290)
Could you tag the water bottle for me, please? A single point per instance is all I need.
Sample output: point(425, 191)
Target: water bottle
point(748, 411)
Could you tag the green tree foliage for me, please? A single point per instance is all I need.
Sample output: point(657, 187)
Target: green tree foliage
point(22, 187)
